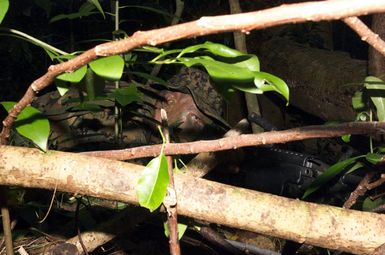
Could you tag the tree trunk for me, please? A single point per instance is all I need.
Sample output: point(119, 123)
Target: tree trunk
point(321, 82)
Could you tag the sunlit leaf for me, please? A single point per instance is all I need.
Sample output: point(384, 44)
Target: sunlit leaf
point(74, 77)
point(376, 92)
point(4, 5)
point(225, 74)
point(329, 174)
point(181, 230)
point(274, 83)
point(31, 124)
point(127, 95)
point(110, 68)
point(153, 182)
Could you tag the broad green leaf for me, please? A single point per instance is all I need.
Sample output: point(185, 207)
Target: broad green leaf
point(181, 229)
point(98, 6)
point(150, 77)
point(329, 174)
point(110, 68)
point(376, 93)
point(251, 63)
point(214, 48)
point(273, 83)
point(31, 124)
point(220, 71)
point(248, 61)
point(374, 158)
point(240, 78)
point(152, 184)
point(370, 204)
point(74, 77)
point(4, 5)
point(127, 95)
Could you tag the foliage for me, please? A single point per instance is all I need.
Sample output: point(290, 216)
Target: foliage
point(4, 5)
point(31, 124)
point(181, 229)
point(152, 184)
point(372, 97)
point(230, 69)
point(342, 167)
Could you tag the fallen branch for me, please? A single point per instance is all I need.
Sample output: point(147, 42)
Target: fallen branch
point(245, 22)
point(227, 143)
point(326, 226)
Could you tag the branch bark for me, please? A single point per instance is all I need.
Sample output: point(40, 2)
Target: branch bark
point(347, 230)
point(235, 142)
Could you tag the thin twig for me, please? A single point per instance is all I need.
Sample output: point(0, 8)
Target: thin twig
point(359, 191)
point(170, 202)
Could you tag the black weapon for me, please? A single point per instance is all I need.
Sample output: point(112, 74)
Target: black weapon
point(287, 173)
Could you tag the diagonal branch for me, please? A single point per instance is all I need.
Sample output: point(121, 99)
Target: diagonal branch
point(245, 22)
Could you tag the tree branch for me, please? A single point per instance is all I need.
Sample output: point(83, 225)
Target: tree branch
point(235, 142)
point(346, 230)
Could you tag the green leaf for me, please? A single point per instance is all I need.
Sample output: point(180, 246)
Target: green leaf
point(31, 124)
point(152, 184)
point(4, 5)
point(98, 6)
point(273, 83)
point(329, 174)
point(233, 76)
point(110, 68)
point(181, 229)
point(62, 87)
point(127, 95)
point(214, 48)
point(74, 77)
point(346, 138)
point(370, 204)
point(251, 61)
point(374, 158)
point(358, 101)
point(376, 93)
